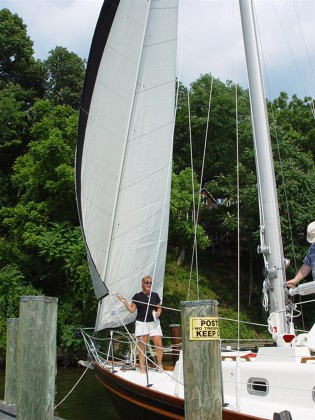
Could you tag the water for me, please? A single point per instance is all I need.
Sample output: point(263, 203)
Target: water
point(88, 401)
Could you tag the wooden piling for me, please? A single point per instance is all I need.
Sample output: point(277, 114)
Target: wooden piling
point(36, 358)
point(176, 338)
point(10, 361)
point(202, 360)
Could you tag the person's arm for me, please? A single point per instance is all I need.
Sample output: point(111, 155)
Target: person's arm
point(158, 310)
point(303, 272)
point(131, 308)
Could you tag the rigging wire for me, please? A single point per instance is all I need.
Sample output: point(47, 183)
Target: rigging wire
point(193, 193)
point(311, 103)
point(238, 198)
point(238, 373)
point(181, 54)
point(195, 243)
point(309, 67)
point(275, 130)
point(200, 185)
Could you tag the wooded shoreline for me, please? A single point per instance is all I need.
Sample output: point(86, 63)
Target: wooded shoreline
point(41, 247)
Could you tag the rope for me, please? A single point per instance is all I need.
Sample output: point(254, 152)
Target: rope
point(72, 389)
point(149, 304)
point(222, 318)
point(306, 301)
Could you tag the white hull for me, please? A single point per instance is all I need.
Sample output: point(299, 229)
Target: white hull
point(273, 381)
point(290, 379)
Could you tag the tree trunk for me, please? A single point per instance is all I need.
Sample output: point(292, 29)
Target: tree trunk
point(250, 277)
point(181, 257)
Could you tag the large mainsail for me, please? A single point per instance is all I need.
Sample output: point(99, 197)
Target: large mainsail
point(123, 164)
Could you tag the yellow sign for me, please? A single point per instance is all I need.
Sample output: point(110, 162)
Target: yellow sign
point(204, 328)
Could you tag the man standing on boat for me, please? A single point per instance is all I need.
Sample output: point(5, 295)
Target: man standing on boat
point(309, 260)
point(148, 306)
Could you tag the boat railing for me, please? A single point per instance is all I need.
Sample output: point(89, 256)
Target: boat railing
point(123, 348)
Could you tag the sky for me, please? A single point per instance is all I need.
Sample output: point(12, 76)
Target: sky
point(210, 38)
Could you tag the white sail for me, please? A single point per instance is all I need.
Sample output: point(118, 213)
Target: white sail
point(125, 166)
point(123, 186)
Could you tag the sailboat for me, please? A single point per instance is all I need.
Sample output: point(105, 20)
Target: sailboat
point(123, 182)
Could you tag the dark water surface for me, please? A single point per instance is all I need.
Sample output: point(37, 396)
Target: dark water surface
point(88, 401)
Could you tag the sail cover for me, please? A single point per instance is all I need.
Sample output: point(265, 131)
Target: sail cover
point(123, 160)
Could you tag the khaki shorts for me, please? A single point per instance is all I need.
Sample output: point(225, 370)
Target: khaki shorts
point(148, 328)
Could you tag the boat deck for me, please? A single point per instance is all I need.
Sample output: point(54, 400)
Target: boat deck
point(159, 381)
point(259, 380)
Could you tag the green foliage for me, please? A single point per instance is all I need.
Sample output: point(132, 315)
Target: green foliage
point(17, 64)
point(229, 329)
point(45, 173)
point(184, 211)
point(216, 281)
point(220, 133)
point(12, 287)
point(65, 77)
point(41, 246)
point(13, 121)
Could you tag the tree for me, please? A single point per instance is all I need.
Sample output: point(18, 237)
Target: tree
point(65, 77)
point(183, 214)
point(40, 233)
point(14, 125)
point(219, 130)
point(17, 64)
point(12, 287)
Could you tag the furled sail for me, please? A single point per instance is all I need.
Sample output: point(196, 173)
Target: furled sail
point(123, 163)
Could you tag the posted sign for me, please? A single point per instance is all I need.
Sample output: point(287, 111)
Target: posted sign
point(204, 328)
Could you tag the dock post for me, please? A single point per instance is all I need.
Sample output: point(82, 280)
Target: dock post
point(36, 358)
point(10, 361)
point(176, 339)
point(201, 360)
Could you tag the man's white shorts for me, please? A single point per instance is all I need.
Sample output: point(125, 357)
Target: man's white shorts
point(148, 328)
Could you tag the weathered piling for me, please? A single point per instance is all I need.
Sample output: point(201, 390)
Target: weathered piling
point(10, 362)
point(202, 360)
point(36, 358)
point(176, 338)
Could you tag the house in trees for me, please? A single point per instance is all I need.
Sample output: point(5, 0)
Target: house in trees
point(209, 202)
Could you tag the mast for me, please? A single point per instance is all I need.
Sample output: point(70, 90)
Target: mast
point(271, 239)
